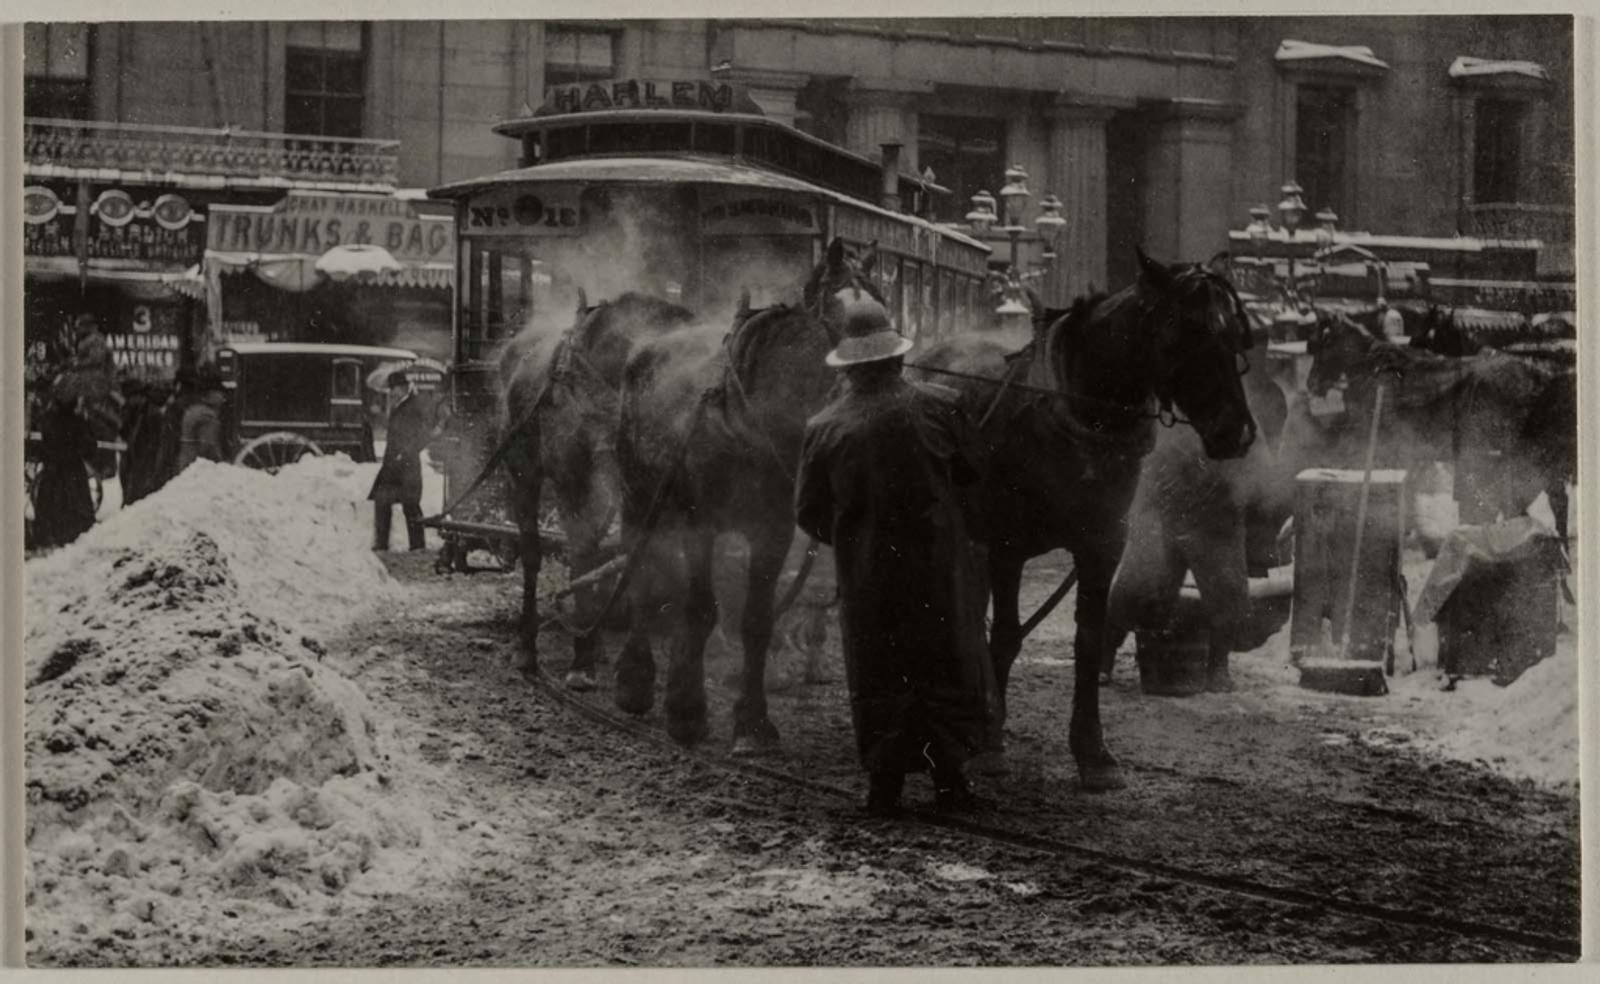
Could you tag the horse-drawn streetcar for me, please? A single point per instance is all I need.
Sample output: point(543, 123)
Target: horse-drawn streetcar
point(680, 192)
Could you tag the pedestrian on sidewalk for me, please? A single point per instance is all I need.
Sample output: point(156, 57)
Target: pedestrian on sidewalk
point(399, 480)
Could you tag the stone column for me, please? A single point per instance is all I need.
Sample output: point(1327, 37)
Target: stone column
point(774, 92)
point(878, 116)
point(1077, 175)
point(1188, 179)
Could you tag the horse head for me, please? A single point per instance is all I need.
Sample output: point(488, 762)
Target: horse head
point(1338, 346)
point(842, 270)
point(1201, 340)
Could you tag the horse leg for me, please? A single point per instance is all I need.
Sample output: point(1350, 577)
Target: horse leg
point(635, 674)
point(531, 552)
point(686, 681)
point(1005, 637)
point(1098, 769)
point(753, 732)
point(583, 553)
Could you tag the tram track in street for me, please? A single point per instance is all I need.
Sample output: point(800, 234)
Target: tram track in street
point(1558, 947)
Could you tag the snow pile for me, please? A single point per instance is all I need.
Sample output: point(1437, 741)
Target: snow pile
point(193, 766)
point(1528, 729)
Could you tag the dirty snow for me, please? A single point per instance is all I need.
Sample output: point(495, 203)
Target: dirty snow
point(194, 766)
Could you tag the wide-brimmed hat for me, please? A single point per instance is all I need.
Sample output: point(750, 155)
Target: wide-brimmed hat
point(869, 336)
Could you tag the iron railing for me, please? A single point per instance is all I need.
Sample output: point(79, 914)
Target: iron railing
point(242, 155)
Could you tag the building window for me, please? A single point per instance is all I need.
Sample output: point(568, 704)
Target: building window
point(1324, 145)
point(55, 62)
point(325, 78)
point(574, 53)
point(966, 155)
point(1496, 149)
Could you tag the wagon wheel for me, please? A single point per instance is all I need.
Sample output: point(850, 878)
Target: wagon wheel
point(270, 452)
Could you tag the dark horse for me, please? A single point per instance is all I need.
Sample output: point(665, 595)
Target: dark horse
point(709, 443)
point(1062, 464)
point(1509, 423)
point(561, 395)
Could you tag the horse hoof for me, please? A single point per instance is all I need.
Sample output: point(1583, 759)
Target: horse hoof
point(1221, 683)
point(579, 681)
point(1102, 774)
point(763, 741)
point(1105, 679)
point(633, 699)
point(687, 732)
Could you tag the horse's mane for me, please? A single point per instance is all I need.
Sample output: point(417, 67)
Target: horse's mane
point(764, 330)
point(634, 305)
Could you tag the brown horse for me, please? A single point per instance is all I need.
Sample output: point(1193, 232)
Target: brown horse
point(564, 392)
point(709, 444)
point(1064, 449)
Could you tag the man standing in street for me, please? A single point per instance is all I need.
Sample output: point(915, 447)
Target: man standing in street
point(400, 477)
point(200, 434)
point(880, 472)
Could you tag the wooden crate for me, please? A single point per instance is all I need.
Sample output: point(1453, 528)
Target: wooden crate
point(1327, 501)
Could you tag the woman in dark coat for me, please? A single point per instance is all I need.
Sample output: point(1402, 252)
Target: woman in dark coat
point(141, 432)
point(879, 474)
point(400, 477)
point(63, 507)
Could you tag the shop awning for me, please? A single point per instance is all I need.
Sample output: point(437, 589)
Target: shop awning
point(138, 280)
point(298, 272)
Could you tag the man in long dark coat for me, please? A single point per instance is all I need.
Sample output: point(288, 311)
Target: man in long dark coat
point(400, 477)
point(880, 475)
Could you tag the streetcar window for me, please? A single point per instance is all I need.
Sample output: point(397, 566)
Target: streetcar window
point(567, 141)
point(716, 138)
point(911, 294)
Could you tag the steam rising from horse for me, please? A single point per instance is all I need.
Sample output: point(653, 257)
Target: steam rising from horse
point(1060, 469)
point(564, 390)
point(709, 442)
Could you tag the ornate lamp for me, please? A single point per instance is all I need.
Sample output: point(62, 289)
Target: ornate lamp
point(1290, 210)
point(1260, 228)
point(982, 216)
point(1015, 194)
point(1049, 223)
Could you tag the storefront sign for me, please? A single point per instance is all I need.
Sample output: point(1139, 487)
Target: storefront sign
point(164, 232)
point(680, 94)
point(551, 210)
point(741, 212)
point(145, 355)
point(311, 224)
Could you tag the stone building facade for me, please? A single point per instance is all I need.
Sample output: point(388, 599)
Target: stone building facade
point(1154, 131)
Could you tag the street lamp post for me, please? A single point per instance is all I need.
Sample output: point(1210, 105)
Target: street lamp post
point(1049, 223)
point(1290, 210)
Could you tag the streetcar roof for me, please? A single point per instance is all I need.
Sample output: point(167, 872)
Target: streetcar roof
point(318, 348)
point(676, 170)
